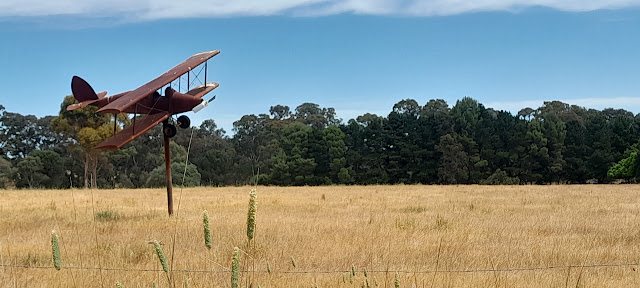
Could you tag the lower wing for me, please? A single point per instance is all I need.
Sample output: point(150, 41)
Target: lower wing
point(132, 132)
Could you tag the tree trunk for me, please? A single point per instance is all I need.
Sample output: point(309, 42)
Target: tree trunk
point(86, 170)
point(94, 179)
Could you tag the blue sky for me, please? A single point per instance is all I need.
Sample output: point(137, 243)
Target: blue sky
point(355, 56)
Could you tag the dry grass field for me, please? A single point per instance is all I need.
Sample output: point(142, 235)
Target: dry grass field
point(415, 230)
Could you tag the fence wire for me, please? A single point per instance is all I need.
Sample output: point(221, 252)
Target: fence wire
point(336, 271)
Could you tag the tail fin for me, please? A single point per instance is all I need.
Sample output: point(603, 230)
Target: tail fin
point(82, 90)
point(83, 93)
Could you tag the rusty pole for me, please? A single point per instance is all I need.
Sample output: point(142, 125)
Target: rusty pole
point(167, 167)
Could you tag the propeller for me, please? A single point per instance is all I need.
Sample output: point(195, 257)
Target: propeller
point(203, 104)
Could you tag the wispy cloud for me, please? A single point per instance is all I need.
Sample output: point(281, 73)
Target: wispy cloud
point(163, 9)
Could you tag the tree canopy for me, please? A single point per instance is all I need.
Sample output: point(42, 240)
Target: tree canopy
point(433, 143)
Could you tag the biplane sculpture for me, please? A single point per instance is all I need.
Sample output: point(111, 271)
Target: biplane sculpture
point(147, 100)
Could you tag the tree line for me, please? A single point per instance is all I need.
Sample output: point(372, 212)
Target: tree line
point(434, 143)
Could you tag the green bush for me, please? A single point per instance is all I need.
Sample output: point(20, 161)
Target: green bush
point(107, 215)
point(192, 178)
point(500, 177)
point(627, 168)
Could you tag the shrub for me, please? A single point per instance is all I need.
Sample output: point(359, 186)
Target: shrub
point(191, 179)
point(107, 215)
point(500, 177)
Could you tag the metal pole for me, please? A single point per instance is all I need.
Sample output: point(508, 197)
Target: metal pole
point(167, 167)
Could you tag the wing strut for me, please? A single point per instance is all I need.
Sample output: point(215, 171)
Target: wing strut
point(121, 104)
point(135, 110)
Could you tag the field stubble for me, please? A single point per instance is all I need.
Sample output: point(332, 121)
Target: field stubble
point(374, 228)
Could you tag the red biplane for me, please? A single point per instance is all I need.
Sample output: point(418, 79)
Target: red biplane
point(147, 100)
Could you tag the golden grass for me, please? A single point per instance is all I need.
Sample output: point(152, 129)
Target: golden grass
point(374, 228)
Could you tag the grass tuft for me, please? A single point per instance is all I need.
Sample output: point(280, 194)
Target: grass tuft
point(107, 215)
point(55, 249)
point(207, 231)
point(396, 281)
point(414, 209)
point(161, 257)
point(441, 222)
point(235, 267)
point(251, 215)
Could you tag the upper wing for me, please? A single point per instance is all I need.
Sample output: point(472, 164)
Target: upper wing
point(145, 90)
point(202, 90)
point(134, 130)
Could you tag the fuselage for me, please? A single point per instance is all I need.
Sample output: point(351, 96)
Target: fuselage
point(172, 102)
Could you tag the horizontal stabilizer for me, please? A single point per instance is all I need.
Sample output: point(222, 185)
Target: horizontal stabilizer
point(137, 128)
point(81, 104)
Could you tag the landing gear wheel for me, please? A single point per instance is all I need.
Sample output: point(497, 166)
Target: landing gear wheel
point(184, 122)
point(169, 130)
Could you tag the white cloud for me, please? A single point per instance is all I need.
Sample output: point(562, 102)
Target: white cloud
point(163, 9)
